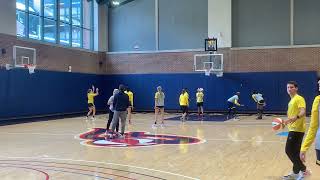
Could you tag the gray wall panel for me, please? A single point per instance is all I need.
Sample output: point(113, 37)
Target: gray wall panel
point(183, 24)
point(260, 22)
point(306, 22)
point(132, 25)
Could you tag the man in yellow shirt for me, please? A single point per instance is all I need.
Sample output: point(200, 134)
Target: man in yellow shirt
point(296, 125)
point(130, 108)
point(313, 132)
point(200, 96)
point(91, 94)
point(184, 104)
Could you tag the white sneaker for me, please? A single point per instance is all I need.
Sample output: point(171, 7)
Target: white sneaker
point(120, 136)
point(236, 119)
point(303, 175)
point(162, 126)
point(154, 126)
point(291, 176)
point(93, 119)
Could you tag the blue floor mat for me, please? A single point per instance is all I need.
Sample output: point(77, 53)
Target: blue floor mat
point(206, 117)
point(283, 134)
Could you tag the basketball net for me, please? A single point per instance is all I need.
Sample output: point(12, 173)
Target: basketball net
point(30, 67)
point(207, 72)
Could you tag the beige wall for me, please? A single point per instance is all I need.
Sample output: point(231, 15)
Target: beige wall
point(235, 60)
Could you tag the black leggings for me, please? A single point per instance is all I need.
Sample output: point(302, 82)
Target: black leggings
point(318, 156)
point(293, 146)
point(232, 111)
point(110, 120)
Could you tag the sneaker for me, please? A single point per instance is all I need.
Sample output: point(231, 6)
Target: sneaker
point(304, 174)
point(120, 136)
point(154, 126)
point(236, 119)
point(162, 125)
point(93, 119)
point(291, 176)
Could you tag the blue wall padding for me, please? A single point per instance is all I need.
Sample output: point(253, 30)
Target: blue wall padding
point(45, 92)
point(48, 92)
point(217, 90)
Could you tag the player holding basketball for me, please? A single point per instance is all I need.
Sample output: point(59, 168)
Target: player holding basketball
point(130, 108)
point(199, 96)
point(296, 125)
point(184, 104)
point(91, 93)
point(313, 132)
point(159, 106)
point(258, 98)
point(233, 102)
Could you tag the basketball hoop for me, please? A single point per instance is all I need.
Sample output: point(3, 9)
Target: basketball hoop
point(219, 74)
point(30, 67)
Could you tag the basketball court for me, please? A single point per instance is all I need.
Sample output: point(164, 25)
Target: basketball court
point(245, 149)
point(62, 61)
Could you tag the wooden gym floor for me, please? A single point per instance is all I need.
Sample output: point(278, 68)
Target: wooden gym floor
point(231, 150)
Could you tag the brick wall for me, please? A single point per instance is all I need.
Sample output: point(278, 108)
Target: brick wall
point(163, 62)
point(241, 60)
point(55, 58)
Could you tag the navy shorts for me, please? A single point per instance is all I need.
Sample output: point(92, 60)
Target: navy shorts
point(200, 104)
point(184, 109)
point(90, 105)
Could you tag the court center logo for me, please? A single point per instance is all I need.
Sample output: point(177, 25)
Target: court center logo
point(96, 137)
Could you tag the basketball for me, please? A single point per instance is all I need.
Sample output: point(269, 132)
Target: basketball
point(277, 124)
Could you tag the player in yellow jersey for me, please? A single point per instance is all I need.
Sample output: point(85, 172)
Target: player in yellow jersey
point(91, 93)
point(199, 96)
point(314, 130)
point(159, 98)
point(184, 104)
point(296, 125)
point(130, 108)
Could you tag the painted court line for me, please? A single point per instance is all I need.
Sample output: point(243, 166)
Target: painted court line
point(107, 163)
point(26, 133)
point(246, 140)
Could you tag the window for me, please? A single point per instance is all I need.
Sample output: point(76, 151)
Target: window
point(34, 27)
point(50, 30)
point(76, 12)
point(21, 23)
point(50, 10)
point(64, 34)
point(76, 37)
point(35, 6)
point(65, 22)
point(65, 11)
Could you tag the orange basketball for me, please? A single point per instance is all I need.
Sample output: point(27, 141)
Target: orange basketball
point(277, 124)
